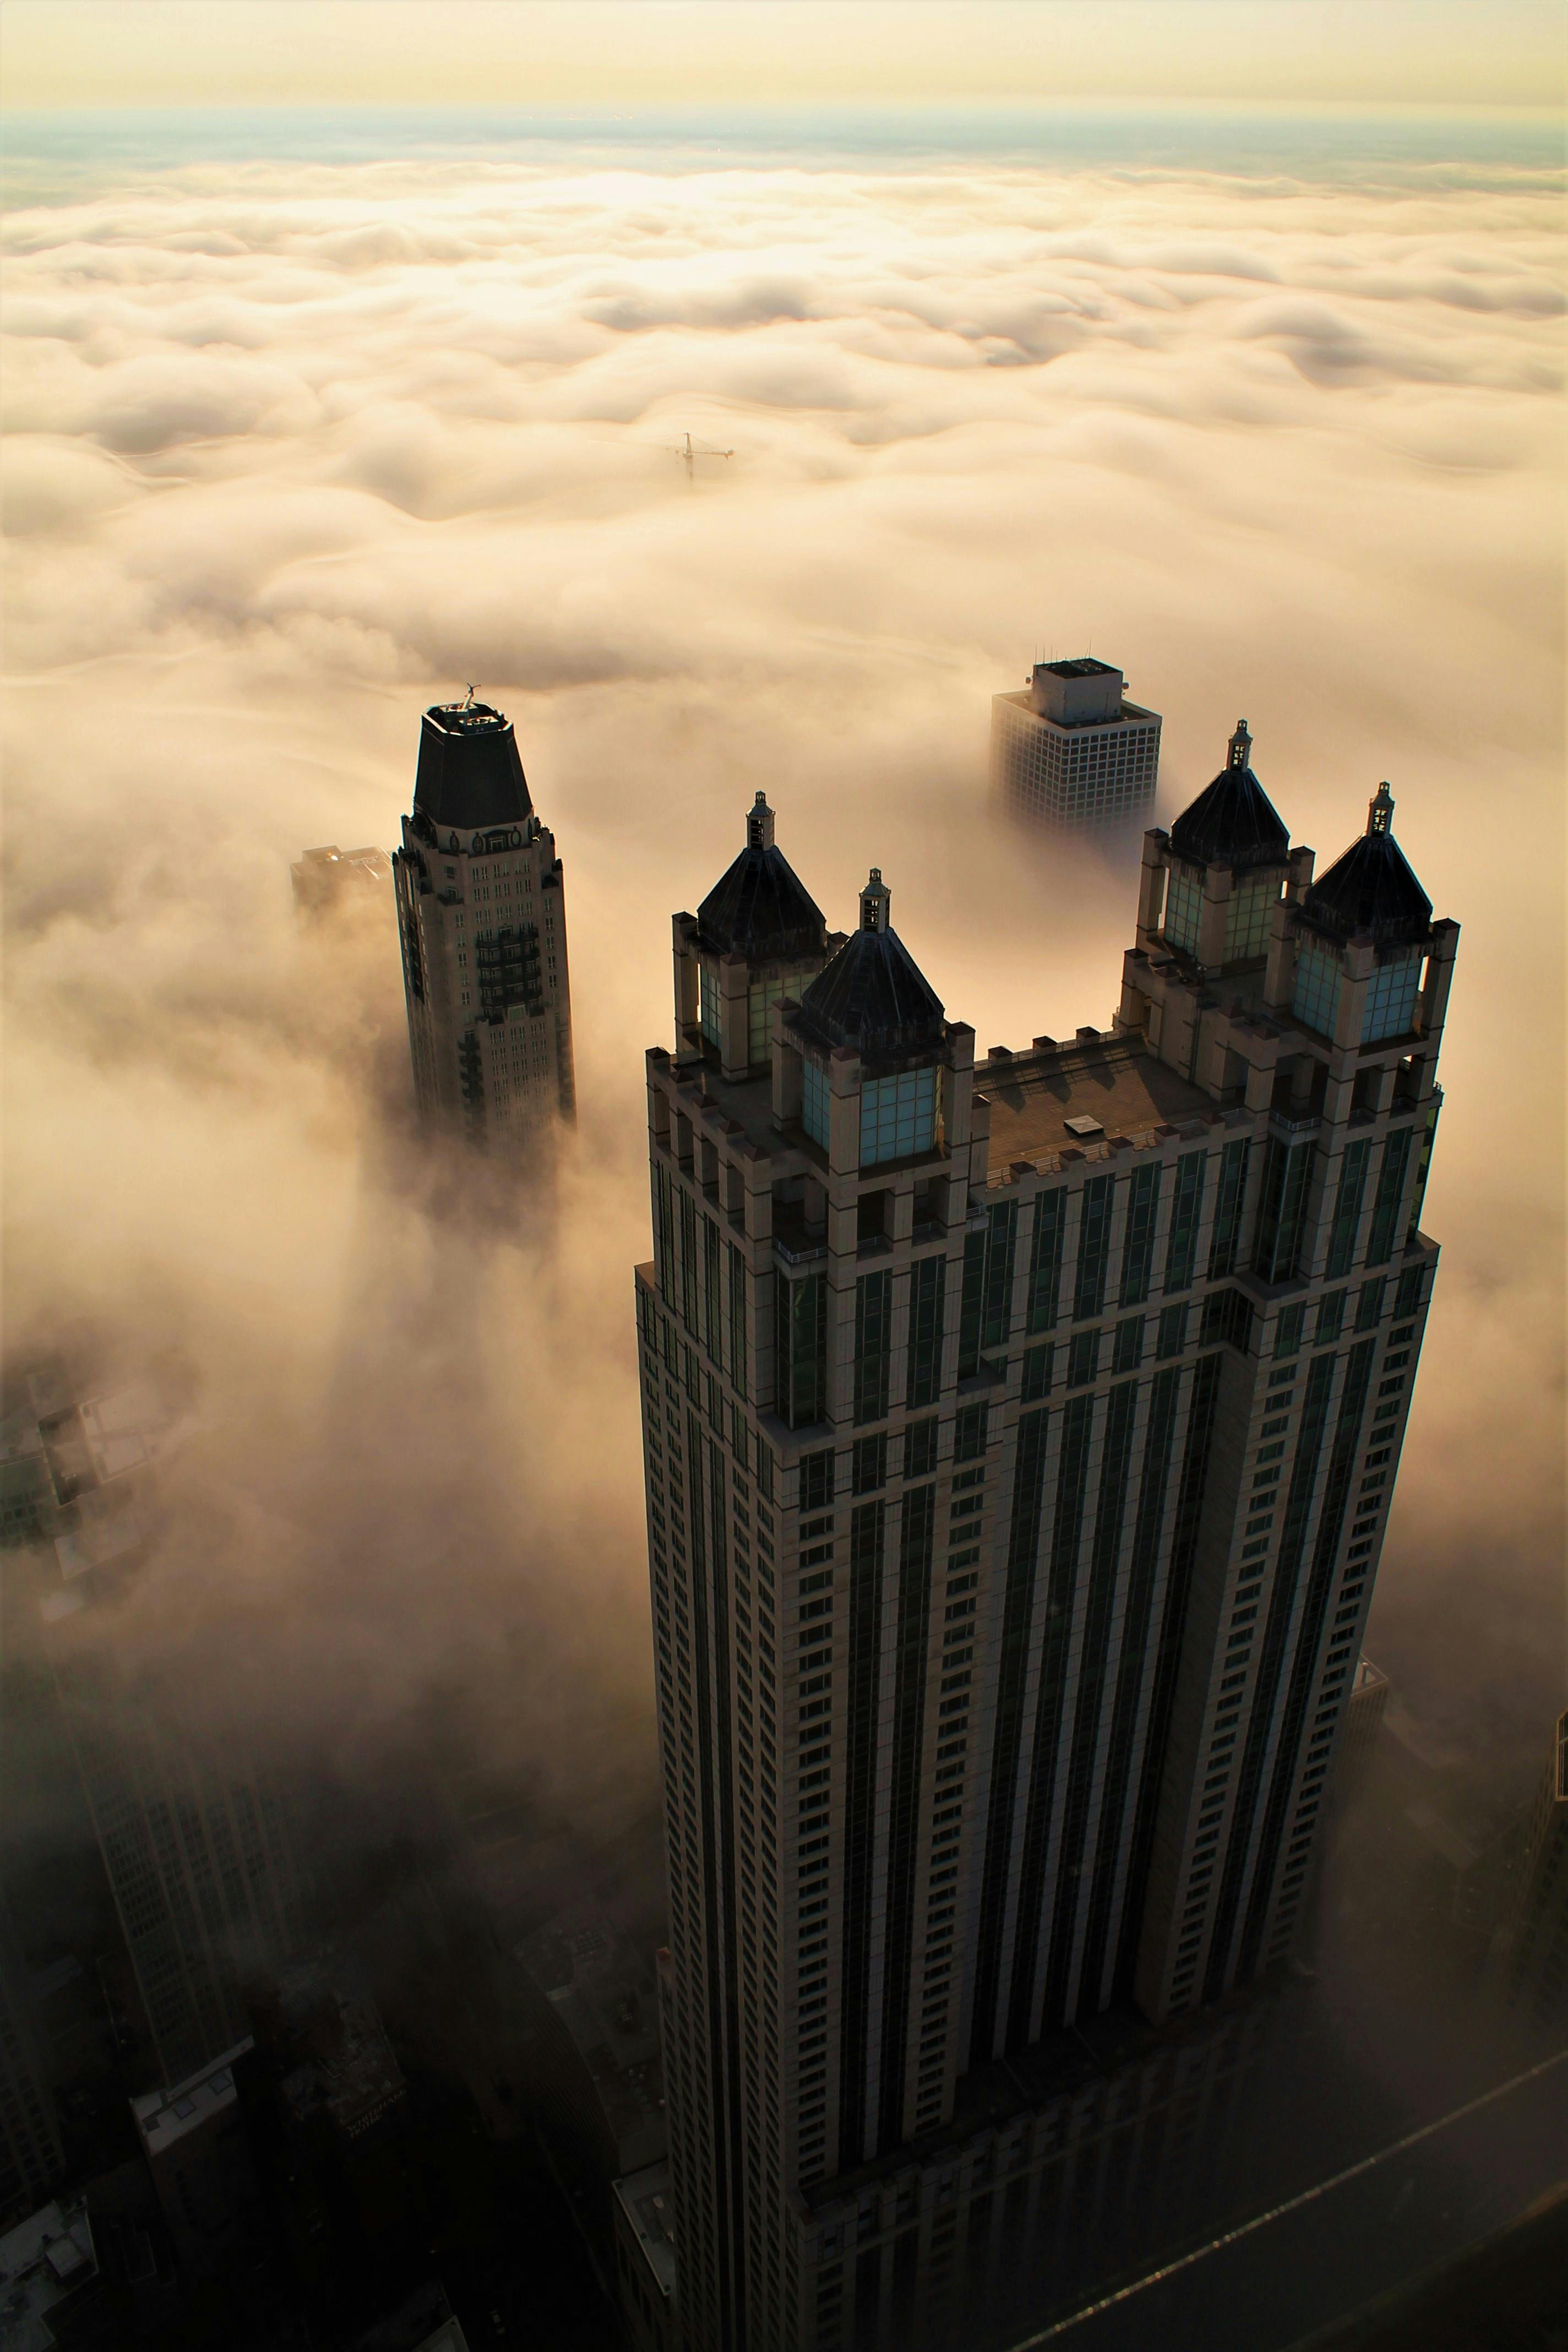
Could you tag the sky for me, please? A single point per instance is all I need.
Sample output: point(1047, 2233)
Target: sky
point(309, 422)
point(73, 53)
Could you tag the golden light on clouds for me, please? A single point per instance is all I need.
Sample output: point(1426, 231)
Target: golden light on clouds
point(295, 446)
point(80, 53)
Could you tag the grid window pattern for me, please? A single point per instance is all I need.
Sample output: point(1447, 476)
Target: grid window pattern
point(1247, 918)
point(898, 1117)
point(1391, 1000)
point(814, 1110)
point(1183, 909)
point(1084, 774)
point(1316, 995)
point(761, 999)
point(708, 982)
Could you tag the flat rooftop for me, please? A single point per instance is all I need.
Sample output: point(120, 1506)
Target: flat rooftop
point(1123, 1091)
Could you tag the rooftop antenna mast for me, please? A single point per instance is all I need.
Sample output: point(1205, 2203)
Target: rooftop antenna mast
point(689, 451)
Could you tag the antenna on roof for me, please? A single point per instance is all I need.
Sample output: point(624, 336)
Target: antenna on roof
point(470, 703)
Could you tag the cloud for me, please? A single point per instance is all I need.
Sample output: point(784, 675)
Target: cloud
point(293, 449)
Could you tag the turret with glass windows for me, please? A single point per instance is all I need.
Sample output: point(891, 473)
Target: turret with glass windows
point(1019, 1438)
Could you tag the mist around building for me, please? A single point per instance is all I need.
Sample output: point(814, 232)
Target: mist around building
point(809, 2023)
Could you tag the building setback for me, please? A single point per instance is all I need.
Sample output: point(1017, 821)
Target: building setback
point(1070, 754)
point(482, 915)
point(1018, 1441)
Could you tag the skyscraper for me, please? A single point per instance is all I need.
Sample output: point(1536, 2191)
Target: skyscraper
point(481, 914)
point(1529, 1963)
point(1070, 754)
point(1018, 1443)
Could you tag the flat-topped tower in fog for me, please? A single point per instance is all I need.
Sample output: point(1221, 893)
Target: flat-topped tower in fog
point(1019, 1438)
point(481, 914)
point(1070, 754)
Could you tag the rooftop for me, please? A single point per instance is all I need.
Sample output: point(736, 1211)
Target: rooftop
point(1085, 666)
point(470, 774)
point(648, 2202)
point(165, 2116)
point(42, 2261)
point(1040, 1101)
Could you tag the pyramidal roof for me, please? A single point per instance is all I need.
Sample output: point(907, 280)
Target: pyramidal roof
point(471, 774)
point(1370, 889)
point(873, 997)
point(760, 908)
point(1232, 821)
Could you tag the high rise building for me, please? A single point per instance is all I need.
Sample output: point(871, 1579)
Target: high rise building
point(1529, 1963)
point(196, 1843)
point(1019, 1439)
point(1070, 754)
point(481, 913)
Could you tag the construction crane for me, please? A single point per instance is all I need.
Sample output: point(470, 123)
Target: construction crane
point(690, 452)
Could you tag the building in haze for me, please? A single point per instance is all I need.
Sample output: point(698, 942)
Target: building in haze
point(1530, 1960)
point(1070, 754)
point(482, 915)
point(327, 880)
point(1019, 1439)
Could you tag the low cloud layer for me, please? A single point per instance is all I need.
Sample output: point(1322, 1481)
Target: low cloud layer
point(292, 450)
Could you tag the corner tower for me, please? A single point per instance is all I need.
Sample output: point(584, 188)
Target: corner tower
point(758, 937)
point(482, 916)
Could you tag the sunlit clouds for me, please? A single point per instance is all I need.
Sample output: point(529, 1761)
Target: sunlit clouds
point(292, 449)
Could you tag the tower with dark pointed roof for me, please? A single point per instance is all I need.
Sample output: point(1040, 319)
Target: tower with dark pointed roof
point(481, 917)
point(756, 938)
point(1210, 884)
point(1018, 1441)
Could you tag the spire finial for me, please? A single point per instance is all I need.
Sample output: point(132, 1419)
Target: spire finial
point(760, 824)
point(1241, 746)
point(875, 900)
point(1380, 810)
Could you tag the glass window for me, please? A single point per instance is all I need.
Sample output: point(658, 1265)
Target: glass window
point(1183, 909)
point(1391, 999)
point(709, 990)
point(898, 1117)
point(813, 1103)
point(1315, 999)
point(761, 999)
point(1083, 1358)
point(1247, 917)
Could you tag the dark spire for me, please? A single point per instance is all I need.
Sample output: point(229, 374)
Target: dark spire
point(1232, 821)
point(1370, 889)
point(872, 995)
point(469, 775)
point(760, 908)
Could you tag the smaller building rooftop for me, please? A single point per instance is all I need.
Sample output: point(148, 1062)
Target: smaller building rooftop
point(647, 2199)
point(166, 2117)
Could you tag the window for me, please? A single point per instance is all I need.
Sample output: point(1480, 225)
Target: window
point(1390, 1009)
point(709, 988)
point(1036, 1372)
point(1138, 1240)
point(815, 1482)
point(1347, 1207)
point(1045, 1261)
point(813, 1101)
point(1316, 995)
point(898, 1117)
point(1128, 1351)
point(1331, 1318)
point(927, 1276)
point(1185, 1207)
point(1247, 918)
point(969, 1433)
point(1226, 1241)
point(1288, 1335)
point(873, 1345)
point(761, 999)
point(1093, 1247)
point(1172, 1332)
point(1183, 909)
point(870, 1464)
point(1281, 1209)
point(801, 1379)
point(1083, 1358)
point(1369, 1306)
point(920, 1449)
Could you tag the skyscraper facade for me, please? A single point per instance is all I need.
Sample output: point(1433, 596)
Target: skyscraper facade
point(1019, 1438)
point(482, 916)
point(1070, 754)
